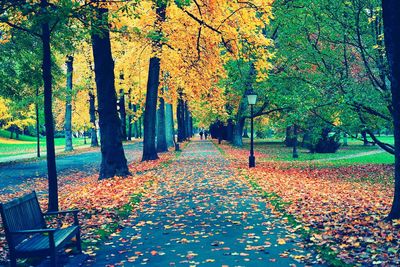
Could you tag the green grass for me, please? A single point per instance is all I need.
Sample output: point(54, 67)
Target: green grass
point(27, 144)
point(275, 150)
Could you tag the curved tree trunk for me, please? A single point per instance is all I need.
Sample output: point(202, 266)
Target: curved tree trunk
point(391, 20)
point(113, 162)
point(68, 105)
point(48, 116)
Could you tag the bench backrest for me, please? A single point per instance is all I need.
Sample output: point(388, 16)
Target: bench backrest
point(23, 213)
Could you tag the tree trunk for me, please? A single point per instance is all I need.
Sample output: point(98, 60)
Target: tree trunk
point(48, 116)
point(245, 133)
point(122, 113)
point(150, 112)
point(187, 121)
point(136, 123)
point(237, 133)
point(37, 124)
point(229, 131)
point(113, 162)
point(180, 114)
point(92, 114)
point(345, 139)
point(364, 136)
point(161, 129)
point(68, 105)
point(391, 20)
point(169, 124)
point(295, 155)
point(140, 126)
point(130, 116)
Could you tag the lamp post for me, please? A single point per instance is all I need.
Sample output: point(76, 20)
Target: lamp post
point(252, 98)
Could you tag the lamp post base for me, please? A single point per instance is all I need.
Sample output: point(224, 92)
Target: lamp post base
point(252, 162)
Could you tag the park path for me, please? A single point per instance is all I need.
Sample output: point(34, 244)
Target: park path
point(14, 174)
point(200, 215)
point(362, 154)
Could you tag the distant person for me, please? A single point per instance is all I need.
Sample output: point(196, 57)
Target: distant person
point(201, 135)
point(205, 134)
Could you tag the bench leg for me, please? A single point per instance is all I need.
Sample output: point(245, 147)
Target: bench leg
point(78, 241)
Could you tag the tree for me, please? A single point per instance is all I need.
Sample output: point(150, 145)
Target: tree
point(149, 144)
point(392, 42)
point(113, 161)
point(68, 105)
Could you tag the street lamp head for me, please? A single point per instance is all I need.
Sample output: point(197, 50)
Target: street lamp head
point(251, 97)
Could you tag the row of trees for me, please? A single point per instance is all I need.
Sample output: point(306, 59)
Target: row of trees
point(333, 65)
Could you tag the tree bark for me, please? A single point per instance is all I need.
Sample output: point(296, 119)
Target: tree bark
point(48, 115)
point(113, 162)
point(153, 82)
point(237, 133)
point(37, 123)
point(187, 121)
point(295, 154)
point(136, 124)
point(130, 116)
point(140, 126)
point(180, 114)
point(391, 20)
point(169, 124)
point(68, 105)
point(122, 113)
point(161, 129)
point(150, 112)
point(92, 114)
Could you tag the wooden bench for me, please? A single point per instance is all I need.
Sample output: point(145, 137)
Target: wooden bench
point(26, 231)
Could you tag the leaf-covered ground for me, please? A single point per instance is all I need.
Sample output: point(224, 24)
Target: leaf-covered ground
point(200, 214)
point(104, 204)
point(342, 208)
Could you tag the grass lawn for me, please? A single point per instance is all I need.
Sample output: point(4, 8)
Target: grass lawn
point(27, 144)
point(277, 151)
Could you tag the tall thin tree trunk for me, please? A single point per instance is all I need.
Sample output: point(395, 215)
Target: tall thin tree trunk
point(136, 123)
point(68, 105)
point(150, 113)
point(187, 120)
point(140, 123)
point(180, 114)
point(113, 162)
point(161, 129)
point(48, 115)
point(37, 123)
point(295, 154)
point(92, 115)
point(169, 120)
point(391, 20)
point(122, 113)
point(130, 116)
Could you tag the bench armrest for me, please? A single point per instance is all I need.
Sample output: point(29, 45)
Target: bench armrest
point(63, 212)
point(34, 231)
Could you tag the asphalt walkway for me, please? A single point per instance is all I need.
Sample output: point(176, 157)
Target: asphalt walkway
point(201, 215)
